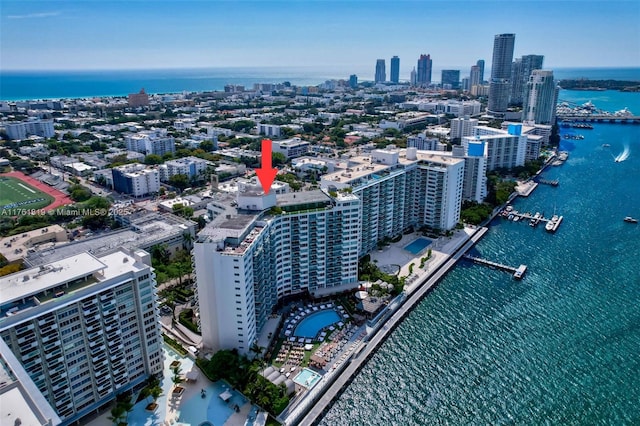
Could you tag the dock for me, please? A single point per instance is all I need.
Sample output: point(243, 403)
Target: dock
point(517, 272)
point(555, 182)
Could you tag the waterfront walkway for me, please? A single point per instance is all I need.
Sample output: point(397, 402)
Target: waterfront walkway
point(447, 255)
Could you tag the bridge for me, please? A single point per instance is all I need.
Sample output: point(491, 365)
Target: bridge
point(599, 118)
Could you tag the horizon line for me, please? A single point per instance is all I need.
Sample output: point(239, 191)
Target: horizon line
point(279, 67)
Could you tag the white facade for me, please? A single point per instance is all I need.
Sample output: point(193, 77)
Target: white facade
point(505, 148)
point(136, 179)
point(461, 127)
point(540, 98)
point(246, 263)
point(272, 130)
point(424, 143)
point(84, 328)
point(291, 148)
point(24, 129)
point(475, 170)
point(151, 142)
point(192, 167)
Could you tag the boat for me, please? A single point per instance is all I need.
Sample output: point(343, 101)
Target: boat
point(516, 218)
point(605, 145)
point(629, 219)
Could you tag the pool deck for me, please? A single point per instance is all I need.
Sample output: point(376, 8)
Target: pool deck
point(446, 251)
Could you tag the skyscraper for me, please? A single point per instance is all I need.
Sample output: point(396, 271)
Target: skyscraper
point(413, 77)
point(480, 65)
point(520, 72)
point(424, 70)
point(381, 71)
point(500, 84)
point(451, 78)
point(474, 76)
point(540, 98)
point(353, 81)
point(395, 69)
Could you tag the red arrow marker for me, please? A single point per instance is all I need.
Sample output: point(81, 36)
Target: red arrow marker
point(266, 174)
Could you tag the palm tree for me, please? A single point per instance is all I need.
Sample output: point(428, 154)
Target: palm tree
point(176, 379)
point(116, 414)
point(187, 239)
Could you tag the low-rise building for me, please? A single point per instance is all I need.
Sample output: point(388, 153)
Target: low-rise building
point(136, 180)
point(291, 148)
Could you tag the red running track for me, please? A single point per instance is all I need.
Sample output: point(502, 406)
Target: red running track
point(60, 198)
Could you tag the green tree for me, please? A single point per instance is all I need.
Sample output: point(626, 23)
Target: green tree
point(180, 181)
point(152, 159)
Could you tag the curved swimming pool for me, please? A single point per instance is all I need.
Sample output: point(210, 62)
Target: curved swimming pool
point(312, 324)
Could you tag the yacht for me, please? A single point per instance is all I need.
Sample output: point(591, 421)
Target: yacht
point(629, 219)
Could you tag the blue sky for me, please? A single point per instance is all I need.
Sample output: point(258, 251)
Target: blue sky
point(345, 35)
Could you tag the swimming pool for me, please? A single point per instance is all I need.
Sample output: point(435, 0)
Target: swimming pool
point(418, 245)
point(211, 408)
point(311, 325)
point(307, 378)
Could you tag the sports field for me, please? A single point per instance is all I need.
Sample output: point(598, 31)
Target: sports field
point(16, 194)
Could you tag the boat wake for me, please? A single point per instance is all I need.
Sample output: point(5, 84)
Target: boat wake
point(623, 155)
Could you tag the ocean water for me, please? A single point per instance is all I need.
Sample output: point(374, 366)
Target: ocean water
point(21, 85)
point(560, 347)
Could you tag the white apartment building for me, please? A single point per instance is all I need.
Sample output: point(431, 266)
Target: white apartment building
point(151, 142)
point(505, 148)
point(462, 126)
point(475, 170)
point(192, 167)
point(291, 148)
point(271, 130)
point(424, 143)
point(399, 189)
point(84, 328)
point(25, 129)
point(136, 180)
point(247, 260)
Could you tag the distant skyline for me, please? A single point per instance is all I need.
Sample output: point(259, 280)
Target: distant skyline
point(346, 36)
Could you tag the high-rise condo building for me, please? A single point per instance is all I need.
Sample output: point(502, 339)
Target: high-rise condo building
point(84, 328)
point(480, 65)
point(500, 84)
point(505, 148)
point(521, 69)
point(381, 71)
point(541, 97)
point(248, 259)
point(424, 70)
point(353, 81)
point(260, 248)
point(474, 77)
point(450, 78)
point(475, 169)
point(395, 69)
point(413, 79)
point(462, 126)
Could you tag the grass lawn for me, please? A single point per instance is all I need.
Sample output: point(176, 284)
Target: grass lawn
point(15, 194)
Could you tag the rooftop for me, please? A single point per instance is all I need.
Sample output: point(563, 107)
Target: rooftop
point(30, 282)
point(304, 197)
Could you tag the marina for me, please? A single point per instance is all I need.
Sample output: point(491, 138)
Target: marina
point(551, 225)
point(554, 182)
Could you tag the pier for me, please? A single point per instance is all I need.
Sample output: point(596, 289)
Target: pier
point(517, 272)
point(555, 182)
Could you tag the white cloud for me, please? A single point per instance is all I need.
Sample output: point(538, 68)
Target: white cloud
point(34, 15)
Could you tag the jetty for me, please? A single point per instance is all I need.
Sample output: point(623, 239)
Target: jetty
point(517, 272)
point(554, 182)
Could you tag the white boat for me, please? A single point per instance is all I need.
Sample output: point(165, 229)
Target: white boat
point(629, 219)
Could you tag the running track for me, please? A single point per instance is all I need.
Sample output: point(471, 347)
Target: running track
point(60, 198)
